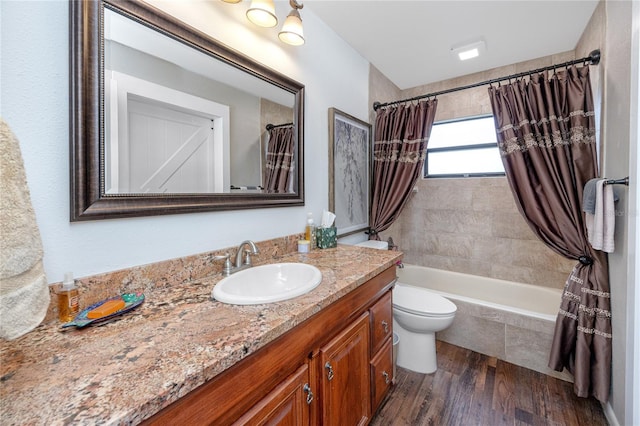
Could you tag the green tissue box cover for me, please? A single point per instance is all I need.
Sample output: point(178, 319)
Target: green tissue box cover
point(327, 237)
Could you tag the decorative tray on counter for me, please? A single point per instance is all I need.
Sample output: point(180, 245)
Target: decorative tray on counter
point(131, 301)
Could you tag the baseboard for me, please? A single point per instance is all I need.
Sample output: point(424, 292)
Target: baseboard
point(610, 415)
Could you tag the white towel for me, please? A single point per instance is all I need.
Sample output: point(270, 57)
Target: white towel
point(601, 224)
point(24, 293)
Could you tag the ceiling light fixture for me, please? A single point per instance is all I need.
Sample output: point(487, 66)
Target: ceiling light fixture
point(469, 50)
point(292, 32)
point(262, 13)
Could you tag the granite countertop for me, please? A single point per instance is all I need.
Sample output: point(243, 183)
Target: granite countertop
point(127, 370)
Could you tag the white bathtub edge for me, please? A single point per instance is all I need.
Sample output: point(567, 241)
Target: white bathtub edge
point(452, 296)
point(513, 334)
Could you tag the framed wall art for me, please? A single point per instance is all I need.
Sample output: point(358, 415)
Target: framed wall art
point(349, 172)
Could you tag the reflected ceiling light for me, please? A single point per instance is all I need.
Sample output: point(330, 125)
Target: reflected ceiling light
point(262, 13)
point(291, 32)
point(469, 50)
point(232, 1)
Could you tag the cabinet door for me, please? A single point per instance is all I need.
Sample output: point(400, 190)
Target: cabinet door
point(288, 404)
point(381, 373)
point(381, 322)
point(345, 376)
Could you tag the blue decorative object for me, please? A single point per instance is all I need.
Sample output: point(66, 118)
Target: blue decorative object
point(131, 301)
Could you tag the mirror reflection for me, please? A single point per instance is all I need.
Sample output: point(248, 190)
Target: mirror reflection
point(180, 121)
point(165, 120)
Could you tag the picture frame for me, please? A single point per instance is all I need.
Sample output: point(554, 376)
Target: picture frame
point(350, 162)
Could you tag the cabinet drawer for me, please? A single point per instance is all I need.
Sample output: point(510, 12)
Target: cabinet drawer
point(381, 373)
point(345, 383)
point(381, 322)
point(287, 404)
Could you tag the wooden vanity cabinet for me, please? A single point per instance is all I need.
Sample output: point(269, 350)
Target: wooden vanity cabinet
point(345, 383)
point(288, 404)
point(381, 315)
point(286, 382)
point(381, 373)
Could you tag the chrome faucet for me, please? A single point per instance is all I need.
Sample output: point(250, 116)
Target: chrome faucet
point(240, 264)
point(247, 254)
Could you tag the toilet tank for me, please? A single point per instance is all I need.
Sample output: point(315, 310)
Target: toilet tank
point(380, 245)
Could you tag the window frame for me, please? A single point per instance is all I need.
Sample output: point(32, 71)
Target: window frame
point(425, 168)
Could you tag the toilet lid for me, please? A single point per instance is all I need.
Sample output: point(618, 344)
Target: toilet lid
point(420, 301)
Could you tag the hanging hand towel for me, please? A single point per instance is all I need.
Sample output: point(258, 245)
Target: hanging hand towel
point(589, 196)
point(24, 293)
point(601, 224)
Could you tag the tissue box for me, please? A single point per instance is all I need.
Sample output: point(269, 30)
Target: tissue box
point(327, 237)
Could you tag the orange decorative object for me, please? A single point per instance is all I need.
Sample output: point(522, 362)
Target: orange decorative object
point(107, 308)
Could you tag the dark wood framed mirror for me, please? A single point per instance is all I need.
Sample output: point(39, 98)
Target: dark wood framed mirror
point(122, 162)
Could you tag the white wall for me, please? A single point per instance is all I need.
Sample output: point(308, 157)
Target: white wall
point(617, 143)
point(34, 102)
point(632, 391)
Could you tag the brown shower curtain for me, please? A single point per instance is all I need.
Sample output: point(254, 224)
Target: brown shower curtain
point(279, 160)
point(546, 136)
point(399, 149)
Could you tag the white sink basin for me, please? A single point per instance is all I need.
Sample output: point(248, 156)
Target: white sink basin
point(267, 283)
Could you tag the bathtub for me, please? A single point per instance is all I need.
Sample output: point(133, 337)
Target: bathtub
point(511, 321)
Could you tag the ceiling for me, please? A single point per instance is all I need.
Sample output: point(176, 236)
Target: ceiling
point(410, 41)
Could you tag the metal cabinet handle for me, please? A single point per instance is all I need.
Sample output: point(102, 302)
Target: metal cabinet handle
point(307, 389)
point(385, 325)
point(329, 370)
point(386, 377)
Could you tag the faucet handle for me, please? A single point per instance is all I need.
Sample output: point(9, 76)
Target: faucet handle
point(227, 262)
point(247, 256)
point(222, 257)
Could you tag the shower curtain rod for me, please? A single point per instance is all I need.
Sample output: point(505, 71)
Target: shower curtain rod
point(592, 59)
point(273, 126)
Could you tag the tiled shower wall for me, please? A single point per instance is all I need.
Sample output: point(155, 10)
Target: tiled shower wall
point(471, 225)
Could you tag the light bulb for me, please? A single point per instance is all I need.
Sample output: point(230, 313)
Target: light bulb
point(262, 13)
point(291, 32)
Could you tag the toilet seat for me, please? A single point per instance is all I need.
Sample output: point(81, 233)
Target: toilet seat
point(419, 301)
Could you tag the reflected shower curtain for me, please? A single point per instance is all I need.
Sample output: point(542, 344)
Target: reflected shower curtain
point(279, 160)
point(546, 137)
point(400, 145)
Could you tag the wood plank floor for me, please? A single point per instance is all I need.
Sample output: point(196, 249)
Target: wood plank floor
point(474, 389)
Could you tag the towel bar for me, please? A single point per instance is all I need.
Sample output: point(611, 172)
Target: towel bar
point(624, 181)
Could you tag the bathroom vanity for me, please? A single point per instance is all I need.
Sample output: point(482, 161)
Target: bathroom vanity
point(321, 358)
point(334, 368)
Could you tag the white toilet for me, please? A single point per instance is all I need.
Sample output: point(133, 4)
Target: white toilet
point(417, 315)
point(380, 245)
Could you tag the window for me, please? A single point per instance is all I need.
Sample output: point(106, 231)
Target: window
point(463, 148)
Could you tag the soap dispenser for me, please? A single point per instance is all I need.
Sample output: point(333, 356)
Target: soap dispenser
point(310, 231)
point(68, 299)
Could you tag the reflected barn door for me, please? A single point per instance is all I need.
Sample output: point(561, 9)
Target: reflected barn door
point(174, 149)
